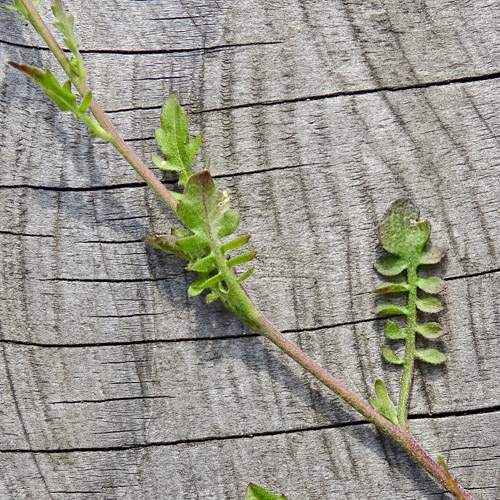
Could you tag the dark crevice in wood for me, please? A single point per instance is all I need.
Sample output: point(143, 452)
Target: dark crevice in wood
point(212, 48)
point(27, 235)
point(351, 93)
point(423, 85)
point(209, 439)
point(76, 189)
point(108, 400)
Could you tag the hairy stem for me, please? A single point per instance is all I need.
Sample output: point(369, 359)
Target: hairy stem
point(99, 114)
point(249, 313)
point(409, 357)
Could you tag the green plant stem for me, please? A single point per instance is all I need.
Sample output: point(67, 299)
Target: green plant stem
point(99, 114)
point(409, 357)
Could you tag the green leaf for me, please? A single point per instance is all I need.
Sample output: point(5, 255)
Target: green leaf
point(431, 285)
point(391, 357)
point(257, 493)
point(65, 24)
point(203, 210)
point(62, 96)
point(393, 332)
point(388, 308)
point(431, 356)
point(383, 404)
point(389, 287)
point(430, 330)
point(19, 7)
point(391, 265)
point(432, 255)
point(429, 305)
point(173, 140)
point(400, 231)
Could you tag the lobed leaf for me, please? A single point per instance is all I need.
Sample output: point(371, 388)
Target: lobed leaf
point(391, 357)
point(255, 492)
point(429, 305)
point(393, 332)
point(431, 285)
point(383, 404)
point(430, 330)
point(65, 24)
point(389, 287)
point(173, 140)
point(431, 356)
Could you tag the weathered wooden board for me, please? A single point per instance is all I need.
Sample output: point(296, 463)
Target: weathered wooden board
point(320, 463)
point(315, 116)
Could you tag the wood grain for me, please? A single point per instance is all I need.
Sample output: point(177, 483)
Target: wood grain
point(315, 116)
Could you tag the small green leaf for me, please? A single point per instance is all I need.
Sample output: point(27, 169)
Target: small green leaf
point(431, 356)
point(383, 404)
point(65, 24)
point(257, 493)
point(400, 231)
point(391, 357)
point(429, 305)
point(432, 255)
point(86, 101)
point(236, 243)
point(19, 7)
point(62, 96)
point(389, 287)
point(393, 332)
point(173, 140)
point(391, 265)
point(431, 285)
point(200, 284)
point(241, 259)
point(430, 330)
point(388, 308)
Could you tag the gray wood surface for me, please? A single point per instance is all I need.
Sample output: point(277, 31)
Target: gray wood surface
point(315, 116)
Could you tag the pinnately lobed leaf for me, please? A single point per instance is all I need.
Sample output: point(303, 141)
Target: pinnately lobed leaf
point(255, 492)
point(405, 239)
point(203, 209)
point(173, 139)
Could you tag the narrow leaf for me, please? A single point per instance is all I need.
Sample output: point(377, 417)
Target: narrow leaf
point(430, 285)
point(173, 140)
point(383, 404)
point(65, 24)
point(236, 243)
point(391, 357)
point(431, 356)
point(430, 330)
point(245, 275)
point(389, 287)
point(199, 285)
point(393, 332)
point(390, 265)
point(429, 305)
point(257, 493)
point(205, 265)
point(86, 101)
point(241, 259)
point(388, 308)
